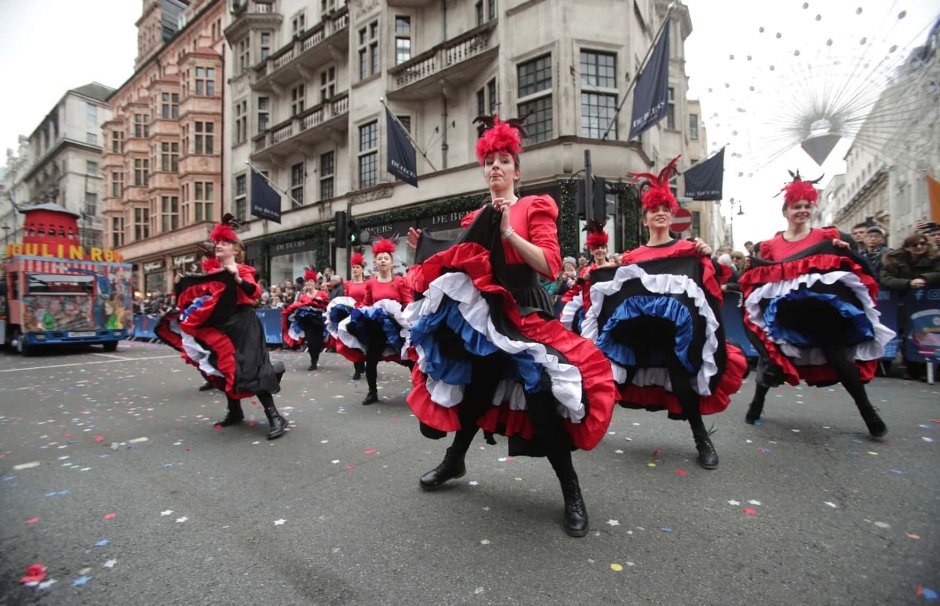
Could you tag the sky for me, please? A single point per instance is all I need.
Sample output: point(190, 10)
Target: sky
point(750, 82)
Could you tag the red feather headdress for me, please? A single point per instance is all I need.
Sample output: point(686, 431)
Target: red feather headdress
point(224, 231)
point(798, 189)
point(211, 265)
point(499, 136)
point(357, 259)
point(309, 274)
point(596, 235)
point(659, 192)
point(383, 246)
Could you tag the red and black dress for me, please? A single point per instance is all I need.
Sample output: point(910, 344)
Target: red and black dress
point(216, 329)
point(657, 318)
point(488, 353)
point(804, 297)
point(338, 310)
point(305, 321)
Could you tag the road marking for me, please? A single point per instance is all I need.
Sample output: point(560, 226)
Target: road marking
point(114, 357)
point(89, 363)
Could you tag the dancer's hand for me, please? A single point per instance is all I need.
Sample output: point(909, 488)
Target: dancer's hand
point(504, 207)
point(840, 243)
point(413, 236)
point(918, 283)
point(701, 248)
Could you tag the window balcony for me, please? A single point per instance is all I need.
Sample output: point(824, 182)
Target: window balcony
point(305, 130)
point(250, 15)
point(454, 62)
point(325, 43)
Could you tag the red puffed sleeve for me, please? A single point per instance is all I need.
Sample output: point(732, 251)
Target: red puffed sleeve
point(405, 295)
point(248, 290)
point(542, 217)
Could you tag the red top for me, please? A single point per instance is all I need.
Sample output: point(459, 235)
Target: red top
point(777, 248)
point(247, 272)
point(356, 290)
point(318, 299)
point(396, 290)
point(535, 219)
point(713, 274)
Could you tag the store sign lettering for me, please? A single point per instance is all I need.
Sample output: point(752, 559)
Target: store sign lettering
point(64, 251)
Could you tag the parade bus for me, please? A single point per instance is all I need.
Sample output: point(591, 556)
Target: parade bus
point(56, 291)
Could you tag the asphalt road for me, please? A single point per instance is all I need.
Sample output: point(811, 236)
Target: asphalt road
point(112, 476)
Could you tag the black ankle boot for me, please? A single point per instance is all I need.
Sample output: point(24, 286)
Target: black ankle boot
point(371, 398)
point(753, 412)
point(450, 468)
point(206, 386)
point(576, 517)
point(876, 427)
point(277, 424)
point(357, 375)
point(707, 457)
point(234, 416)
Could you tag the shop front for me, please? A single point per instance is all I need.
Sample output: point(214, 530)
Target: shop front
point(155, 276)
point(187, 265)
point(289, 259)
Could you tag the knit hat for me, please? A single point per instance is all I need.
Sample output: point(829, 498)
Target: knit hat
point(571, 260)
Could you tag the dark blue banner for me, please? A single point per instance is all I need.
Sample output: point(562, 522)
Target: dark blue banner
point(889, 308)
point(652, 88)
point(402, 161)
point(704, 180)
point(265, 202)
point(922, 337)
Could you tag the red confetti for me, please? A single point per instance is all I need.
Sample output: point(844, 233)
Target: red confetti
point(109, 516)
point(99, 439)
point(252, 424)
point(370, 451)
point(67, 436)
point(217, 427)
point(34, 574)
point(350, 467)
point(31, 521)
point(749, 511)
point(680, 472)
point(935, 420)
point(657, 453)
point(189, 450)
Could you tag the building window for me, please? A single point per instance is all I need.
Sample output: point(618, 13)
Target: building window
point(169, 157)
point(297, 184)
point(91, 168)
point(205, 81)
point(117, 184)
point(91, 204)
point(243, 58)
point(204, 198)
point(141, 172)
point(141, 126)
point(535, 93)
point(297, 99)
point(170, 106)
point(327, 84)
point(241, 197)
point(491, 8)
point(327, 6)
point(490, 11)
point(169, 213)
point(693, 126)
point(141, 223)
point(598, 93)
point(486, 99)
point(117, 142)
point(204, 138)
point(241, 122)
point(671, 109)
point(402, 38)
point(369, 50)
point(91, 114)
point(298, 23)
point(117, 232)
point(327, 169)
point(265, 45)
point(264, 113)
point(368, 154)
point(91, 138)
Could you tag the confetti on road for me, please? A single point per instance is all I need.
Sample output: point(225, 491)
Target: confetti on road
point(616, 567)
point(29, 465)
point(103, 543)
point(371, 451)
point(681, 472)
point(485, 542)
point(754, 502)
point(613, 523)
point(34, 574)
point(831, 504)
point(913, 537)
point(32, 521)
point(80, 581)
point(882, 525)
point(749, 511)
point(166, 512)
point(473, 483)
point(928, 593)
point(109, 564)
point(666, 529)
point(181, 520)
point(109, 516)
point(733, 502)
point(279, 522)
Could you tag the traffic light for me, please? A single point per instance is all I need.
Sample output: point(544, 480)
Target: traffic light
point(353, 227)
point(339, 228)
point(599, 201)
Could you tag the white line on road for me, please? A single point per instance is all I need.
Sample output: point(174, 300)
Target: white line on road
point(89, 363)
point(114, 357)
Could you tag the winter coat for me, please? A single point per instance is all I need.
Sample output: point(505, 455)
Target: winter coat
point(897, 269)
